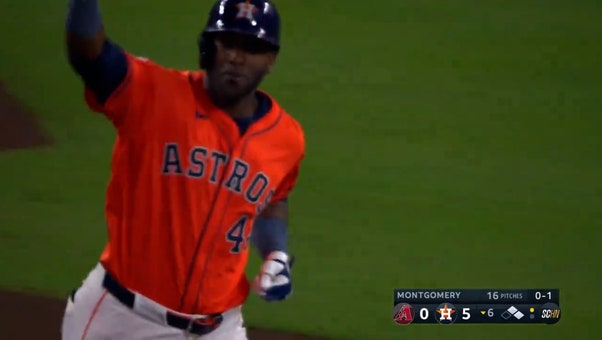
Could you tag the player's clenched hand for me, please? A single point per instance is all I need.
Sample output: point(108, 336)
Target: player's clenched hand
point(273, 282)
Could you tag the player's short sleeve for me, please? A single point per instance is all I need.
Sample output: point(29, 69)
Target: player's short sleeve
point(128, 99)
point(287, 184)
point(297, 145)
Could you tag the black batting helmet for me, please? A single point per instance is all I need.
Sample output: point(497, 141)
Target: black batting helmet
point(256, 18)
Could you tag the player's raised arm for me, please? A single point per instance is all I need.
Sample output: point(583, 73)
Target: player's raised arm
point(100, 63)
point(85, 33)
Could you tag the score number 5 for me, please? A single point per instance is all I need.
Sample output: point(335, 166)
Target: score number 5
point(424, 313)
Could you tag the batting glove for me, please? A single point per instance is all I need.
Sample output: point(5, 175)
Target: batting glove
point(273, 283)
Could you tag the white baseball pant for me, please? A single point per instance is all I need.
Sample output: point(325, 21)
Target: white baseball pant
point(95, 314)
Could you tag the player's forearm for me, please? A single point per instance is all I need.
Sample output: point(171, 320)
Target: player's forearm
point(101, 63)
point(270, 231)
point(85, 34)
point(269, 234)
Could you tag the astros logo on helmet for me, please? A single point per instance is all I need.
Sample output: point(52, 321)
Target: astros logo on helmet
point(256, 18)
point(246, 10)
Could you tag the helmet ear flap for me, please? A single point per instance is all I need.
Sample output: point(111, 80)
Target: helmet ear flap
point(206, 44)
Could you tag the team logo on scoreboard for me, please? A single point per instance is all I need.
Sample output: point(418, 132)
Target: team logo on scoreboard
point(446, 314)
point(403, 314)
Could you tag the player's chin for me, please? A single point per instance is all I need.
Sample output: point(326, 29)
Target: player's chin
point(234, 92)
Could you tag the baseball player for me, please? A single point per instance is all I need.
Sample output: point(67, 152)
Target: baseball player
point(202, 167)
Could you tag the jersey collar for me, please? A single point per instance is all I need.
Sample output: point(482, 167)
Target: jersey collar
point(260, 121)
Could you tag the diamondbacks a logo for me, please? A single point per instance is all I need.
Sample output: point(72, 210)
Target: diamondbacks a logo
point(246, 10)
point(447, 314)
point(403, 314)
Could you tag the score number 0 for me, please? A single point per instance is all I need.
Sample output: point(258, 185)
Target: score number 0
point(424, 313)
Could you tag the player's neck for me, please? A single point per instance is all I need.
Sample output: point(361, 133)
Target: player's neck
point(245, 107)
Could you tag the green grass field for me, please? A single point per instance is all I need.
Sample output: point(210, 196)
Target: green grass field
point(451, 144)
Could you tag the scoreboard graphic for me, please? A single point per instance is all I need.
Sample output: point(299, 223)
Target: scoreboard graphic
point(465, 306)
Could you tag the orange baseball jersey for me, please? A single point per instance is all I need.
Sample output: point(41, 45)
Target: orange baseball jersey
point(186, 187)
